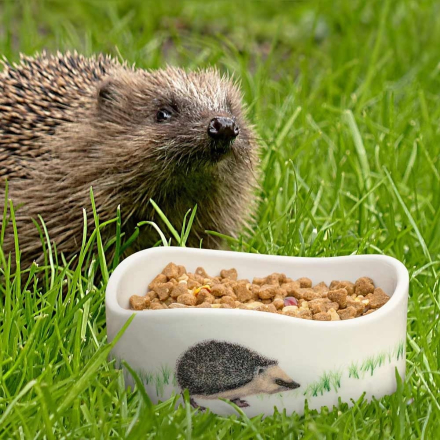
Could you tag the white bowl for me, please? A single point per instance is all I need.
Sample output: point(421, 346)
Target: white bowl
point(254, 357)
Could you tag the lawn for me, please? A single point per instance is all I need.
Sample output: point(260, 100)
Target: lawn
point(345, 96)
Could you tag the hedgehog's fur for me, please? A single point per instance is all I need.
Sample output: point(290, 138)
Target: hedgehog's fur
point(212, 367)
point(68, 122)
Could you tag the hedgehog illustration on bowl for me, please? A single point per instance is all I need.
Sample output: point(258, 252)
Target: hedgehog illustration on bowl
point(217, 369)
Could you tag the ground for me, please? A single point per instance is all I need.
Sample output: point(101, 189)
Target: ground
point(344, 95)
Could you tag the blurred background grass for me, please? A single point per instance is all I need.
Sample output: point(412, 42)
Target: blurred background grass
point(345, 96)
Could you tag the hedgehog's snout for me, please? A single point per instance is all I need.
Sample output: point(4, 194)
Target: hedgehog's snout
point(223, 129)
point(291, 385)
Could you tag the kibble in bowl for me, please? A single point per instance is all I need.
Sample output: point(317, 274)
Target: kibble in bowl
point(175, 288)
point(259, 330)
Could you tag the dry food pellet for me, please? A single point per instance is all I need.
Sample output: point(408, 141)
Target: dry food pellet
point(339, 296)
point(139, 302)
point(230, 274)
point(175, 288)
point(363, 286)
point(378, 298)
point(305, 282)
point(348, 313)
point(322, 316)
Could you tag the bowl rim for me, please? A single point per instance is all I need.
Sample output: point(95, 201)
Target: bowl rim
point(113, 308)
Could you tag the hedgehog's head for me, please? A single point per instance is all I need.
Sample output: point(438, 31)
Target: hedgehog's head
point(191, 119)
point(272, 379)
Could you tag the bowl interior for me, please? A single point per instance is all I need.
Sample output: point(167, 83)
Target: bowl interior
point(137, 271)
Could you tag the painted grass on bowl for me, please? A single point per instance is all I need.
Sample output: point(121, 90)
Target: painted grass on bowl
point(345, 96)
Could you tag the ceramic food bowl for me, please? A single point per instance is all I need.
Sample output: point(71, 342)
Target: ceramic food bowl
point(259, 360)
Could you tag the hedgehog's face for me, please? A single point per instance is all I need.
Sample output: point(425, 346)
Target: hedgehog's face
point(187, 118)
point(272, 380)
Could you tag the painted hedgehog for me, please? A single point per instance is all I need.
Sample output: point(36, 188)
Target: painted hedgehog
point(218, 369)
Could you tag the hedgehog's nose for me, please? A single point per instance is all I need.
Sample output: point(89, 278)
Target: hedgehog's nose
point(282, 383)
point(223, 129)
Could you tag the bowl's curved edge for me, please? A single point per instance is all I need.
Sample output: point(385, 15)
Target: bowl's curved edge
point(113, 308)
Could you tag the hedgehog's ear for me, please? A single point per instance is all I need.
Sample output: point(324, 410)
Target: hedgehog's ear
point(260, 370)
point(108, 94)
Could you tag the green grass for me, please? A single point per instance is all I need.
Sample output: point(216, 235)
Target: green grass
point(164, 376)
point(345, 96)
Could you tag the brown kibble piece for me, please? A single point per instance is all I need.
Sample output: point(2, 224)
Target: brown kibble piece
point(151, 295)
point(358, 305)
point(378, 298)
point(181, 270)
point(241, 289)
point(227, 282)
point(334, 285)
point(322, 316)
point(227, 300)
point(230, 274)
point(178, 290)
point(321, 288)
point(278, 303)
point(291, 311)
point(163, 290)
point(169, 301)
point(269, 308)
point(339, 296)
point(199, 278)
point(171, 271)
point(305, 314)
point(332, 305)
point(347, 285)
point(202, 272)
point(157, 306)
point(188, 299)
point(254, 288)
point(268, 291)
point(369, 312)
point(309, 294)
point(348, 313)
point(219, 290)
point(159, 279)
point(291, 287)
point(298, 293)
point(192, 283)
point(205, 296)
point(274, 279)
point(297, 313)
point(364, 286)
point(204, 305)
point(305, 282)
point(318, 305)
point(259, 281)
point(139, 302)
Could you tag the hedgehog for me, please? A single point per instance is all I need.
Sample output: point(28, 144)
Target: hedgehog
point(69, 123)
point(218, 369)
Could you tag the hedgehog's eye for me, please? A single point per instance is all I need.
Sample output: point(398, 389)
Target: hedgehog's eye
point(163, 115)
